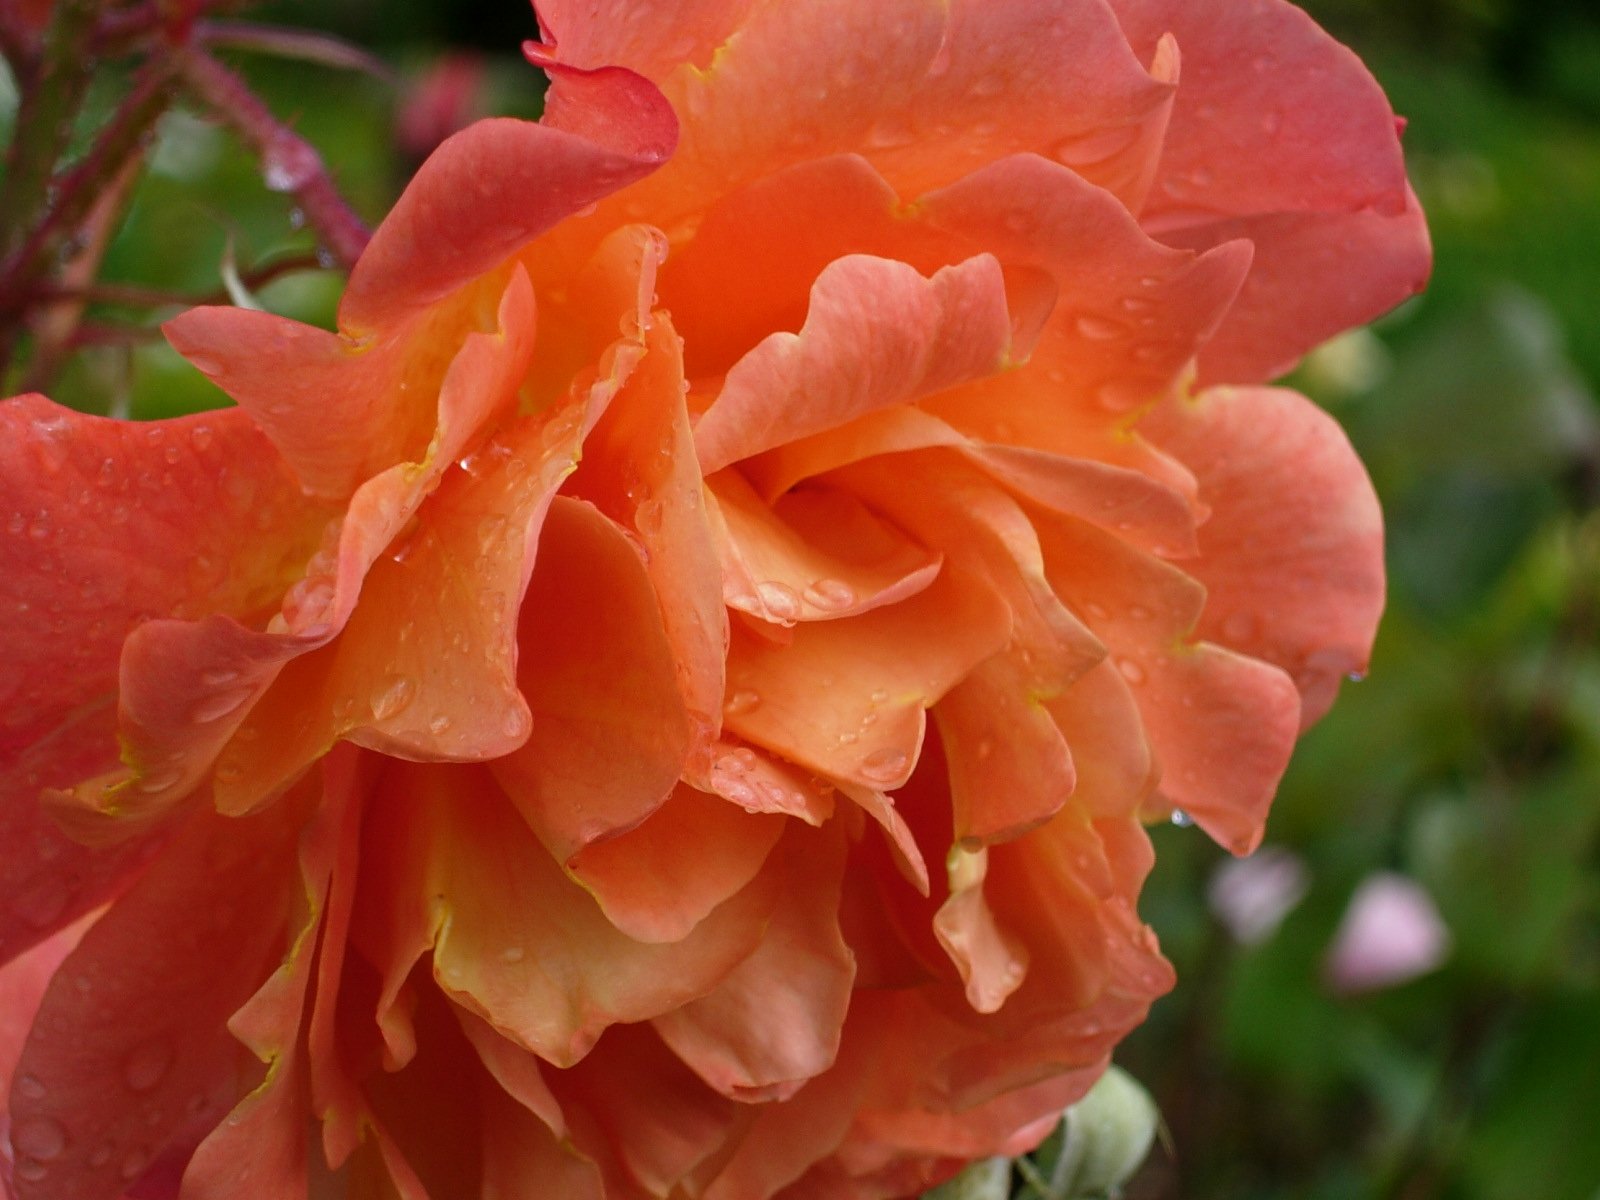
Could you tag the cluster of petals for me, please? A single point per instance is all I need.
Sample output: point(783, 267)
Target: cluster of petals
point(663, 701)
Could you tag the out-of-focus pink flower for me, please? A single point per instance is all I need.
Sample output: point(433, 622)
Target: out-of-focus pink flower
point(446, 99)
point(1252, 896)
point(514, 740)
point(1391, 933)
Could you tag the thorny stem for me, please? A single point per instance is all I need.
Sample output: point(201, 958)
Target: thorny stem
point(292, 43)
point(44, 120)
point(134, 296)
point(289, 163)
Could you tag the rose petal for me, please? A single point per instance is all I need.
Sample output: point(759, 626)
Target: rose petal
point(877, 334)
point(610, 733)
point(818, 555)
point(116, 1091)
point(514, 939)
point(1292, 555)
point(652, 41)
point(991, 960)
point(659, 880)
point(774, 1021)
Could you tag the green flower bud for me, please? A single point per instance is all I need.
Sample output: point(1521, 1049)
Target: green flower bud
point(986, 1180)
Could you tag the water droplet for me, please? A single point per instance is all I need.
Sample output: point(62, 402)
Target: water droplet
point(885, 765)
point(1181, 819)
point(1099, 329)
point(1131, 671)
point(1238, 627)
point(391, 698)
point(740, 702)
point(219, 705)
point(849, 738)
point(647, 518)
point(30, 1087)
point(1356, 676)
point(516, 722)
point(134, 1164)
point(778, 599)
point(39, 1137)
point(438, 724)
point(830, 595)
point(201, 436)
point(158, 782)
point(218, 677)
point(1139, 612)
point(879, 696)
point(512, 954)
point(147, 1066)
point(32, 1170)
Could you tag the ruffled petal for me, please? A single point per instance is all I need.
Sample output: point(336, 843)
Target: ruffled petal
point(1222, 726)
point(774, 1022)
point(651, 40)
point(610, 732)
point(111, 1094)
point(1292, 555)
point(991, 960)
point(1280, 135)
point(877, 334)
point(815, 555)
point(660, 879)
point(514, 940)
point(846, 698)
point(494, 187)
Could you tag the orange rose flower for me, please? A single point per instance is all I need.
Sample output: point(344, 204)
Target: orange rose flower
point(494, 758)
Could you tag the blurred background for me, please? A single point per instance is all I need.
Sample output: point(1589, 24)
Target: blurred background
point(1400, 996)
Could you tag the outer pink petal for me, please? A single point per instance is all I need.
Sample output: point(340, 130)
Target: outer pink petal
point(1292, 555)
point(659, 880)
point(610, 732)
point(877, 334)
point(652, 40)
point(186, 687)
point(1279, 134)
point(494, 187)
point(928, 91)
point(172, 959)
point(816, 555)
point(774, 1021)
point(1364, 264)
point(513, 938)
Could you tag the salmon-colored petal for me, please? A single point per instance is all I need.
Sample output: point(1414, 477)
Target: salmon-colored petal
point(1221, 725)
point(816, 555)
point(177, 954)
point(846, 698)
point(1280, 135)
point(927, 92)
point(643, 1115)
point(426, 667)
point(522, 1157)
point(1131, 312)
point(1115, 770)
point(264, 1138)
point(1272, 113)
point(901, 841)
point(513, 938)
point(1292, 555)
point(991, 960)
point(610, 732)
point(877, 334)
point(186, 687)
point(495, 186)
point(46, 878)
point(640, 470)
point(660, 879)
point(760, 782)
point(1368, 262)
point(23, 982)
point(650, 40)
point(1010, 767)
point(774, 1021)
point(110, 523)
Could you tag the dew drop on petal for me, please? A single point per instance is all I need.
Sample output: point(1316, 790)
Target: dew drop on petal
point(779, 599)
point(39, 1137)
point(392, 697)
point(885, 765)
point(830, 595)
point(1181, 819)
point(438, 724)
point(219, 705)
point(1099, 329)
point(30, 1087)
point(1131, 671)
point(740, 702)
point(147, 1066)
point(135, 1163)
point(1238, 627)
